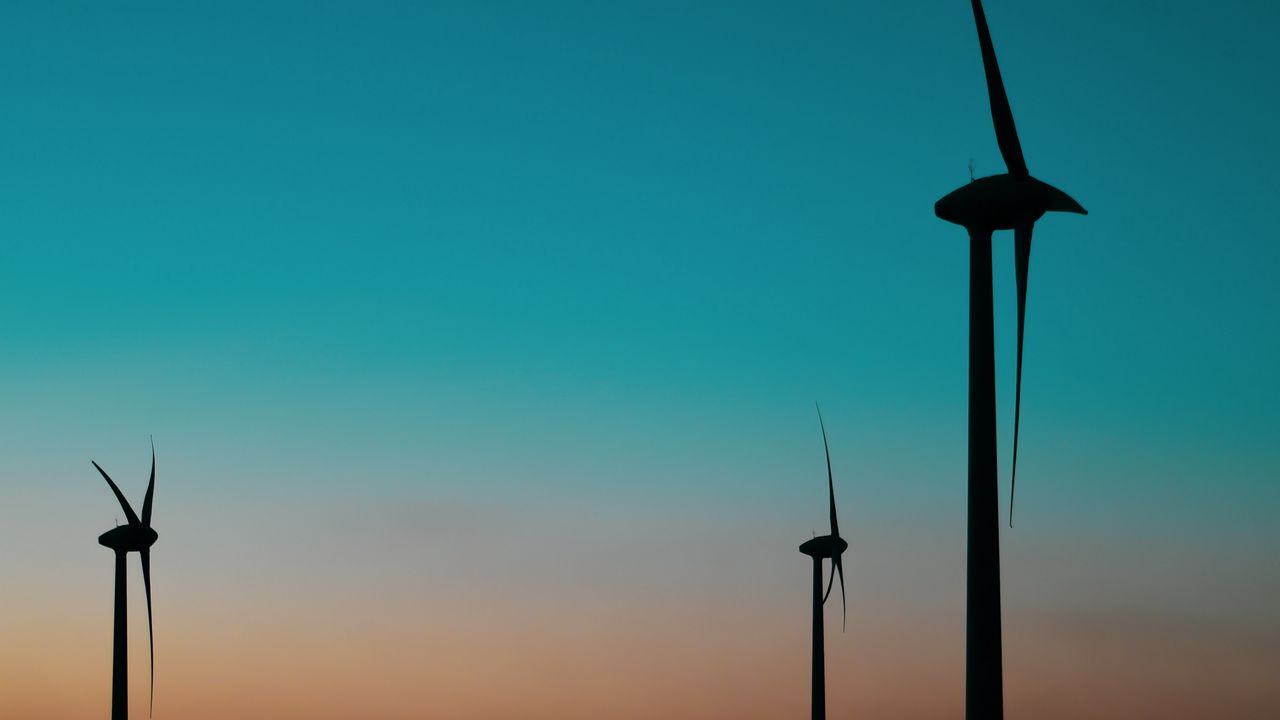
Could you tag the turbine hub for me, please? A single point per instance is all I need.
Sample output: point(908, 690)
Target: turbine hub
point(824, 546)
point(128, 538)
point(1003, 202)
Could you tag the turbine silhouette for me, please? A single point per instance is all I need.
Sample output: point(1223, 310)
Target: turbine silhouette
point(136, 536)
point(824, 546)
point(1013, 200)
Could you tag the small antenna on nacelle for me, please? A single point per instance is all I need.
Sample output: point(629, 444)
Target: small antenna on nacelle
point(970, 169)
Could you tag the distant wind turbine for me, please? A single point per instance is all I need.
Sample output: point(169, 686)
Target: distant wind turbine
point(1011, 201)
point(819, 548)
point(136, 536)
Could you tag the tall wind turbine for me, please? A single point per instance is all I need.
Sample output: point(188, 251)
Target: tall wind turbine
point(137, 536)
point(826, 546)
point(1011, 201)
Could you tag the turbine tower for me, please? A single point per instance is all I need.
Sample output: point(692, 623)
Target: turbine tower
point(819, 548)
point(136, 536)
point(1010, 201)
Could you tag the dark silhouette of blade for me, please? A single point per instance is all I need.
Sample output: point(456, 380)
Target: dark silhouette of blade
point(1021, 260)
point(831, 484)
point(151, 488)
point(1001, 114)
point(146, 584)
point(128, 511)
point(837, 566)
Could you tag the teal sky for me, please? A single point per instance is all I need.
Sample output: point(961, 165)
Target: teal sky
point(458, 300)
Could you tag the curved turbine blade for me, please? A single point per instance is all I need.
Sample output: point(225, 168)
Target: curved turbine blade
point(1001, 114)
point(844, 608)
point(831, 485)
point(128, 511)
point(1022, 260)
point(151, 638)
point(151, 489)
point(837, 567)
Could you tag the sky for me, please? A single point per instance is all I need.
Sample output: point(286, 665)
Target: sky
point(480, 344)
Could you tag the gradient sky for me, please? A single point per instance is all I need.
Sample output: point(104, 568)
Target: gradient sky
point(480, 340)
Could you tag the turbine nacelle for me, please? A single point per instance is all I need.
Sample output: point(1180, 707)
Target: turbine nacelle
point(825, 546)
point(128, 538)
point(1003, 202)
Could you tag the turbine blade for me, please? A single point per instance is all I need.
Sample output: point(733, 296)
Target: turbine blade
point(151, 489)
point(1001, 114)
point(151, 638)
point(831, 485)
point(837, 568)
point(844, 608)
point(128, 511)
point(1022, 260)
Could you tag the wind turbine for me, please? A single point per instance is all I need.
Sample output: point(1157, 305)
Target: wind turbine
point(819, 548)
point(136, 536)
point(1010, 201)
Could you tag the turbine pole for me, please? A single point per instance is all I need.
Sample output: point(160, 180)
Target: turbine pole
point(984, 693)
point(120, 646)
point(819, 655)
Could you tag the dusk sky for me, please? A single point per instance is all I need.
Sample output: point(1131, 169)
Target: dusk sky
point(480, 342)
